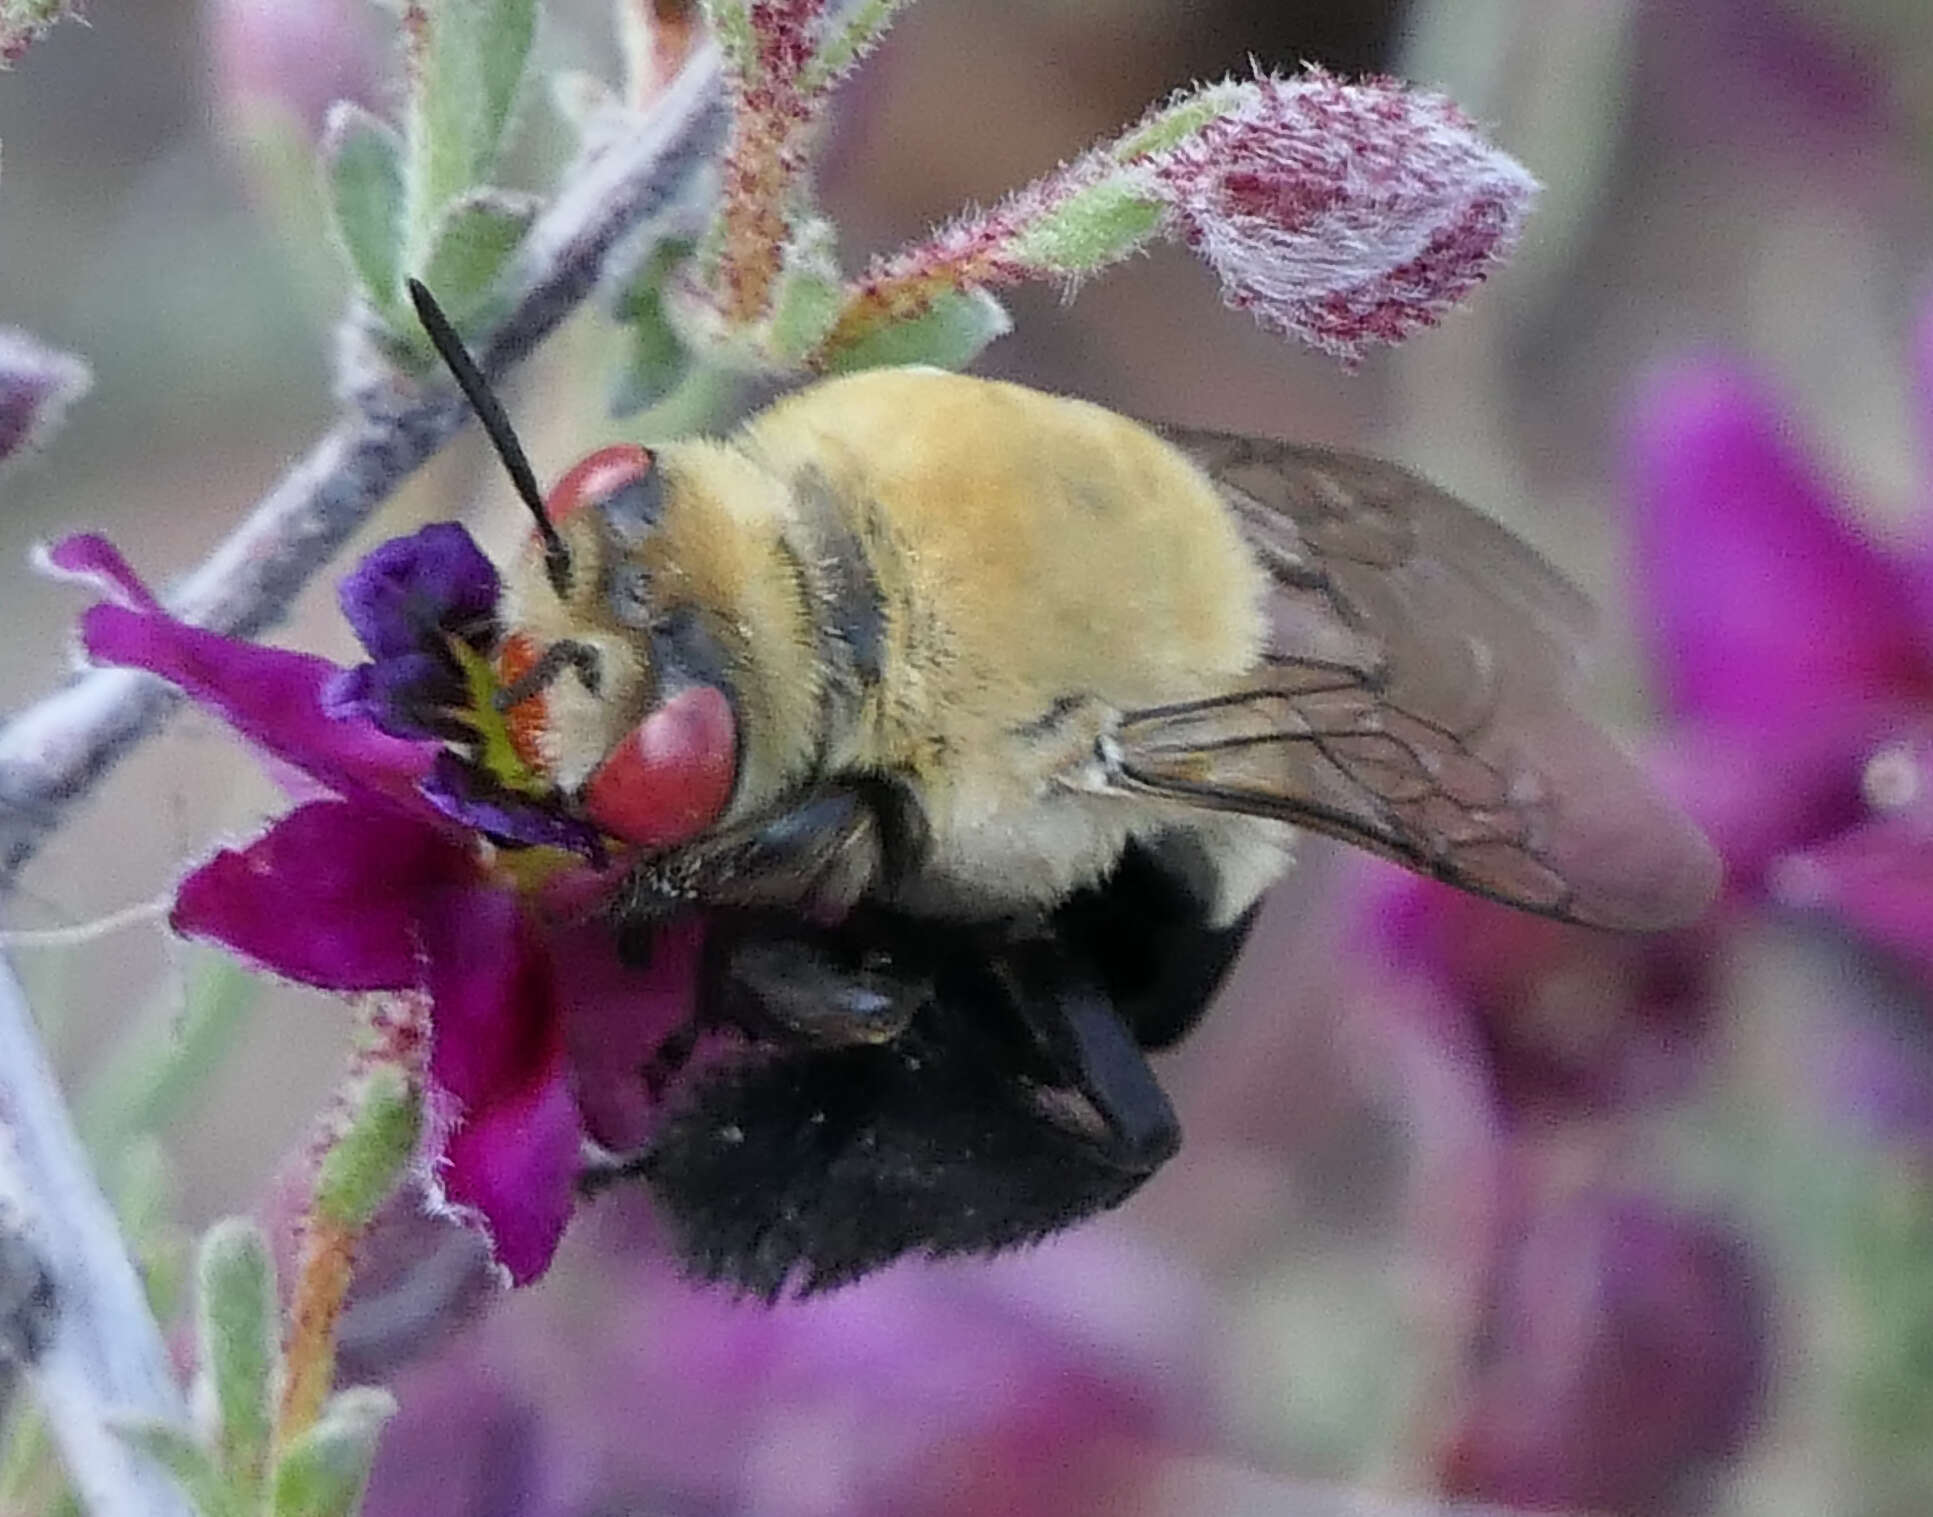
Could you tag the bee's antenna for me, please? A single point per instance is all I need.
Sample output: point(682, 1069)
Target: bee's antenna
point(496, 426)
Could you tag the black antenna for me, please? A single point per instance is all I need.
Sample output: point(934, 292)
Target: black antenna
point(496, 426)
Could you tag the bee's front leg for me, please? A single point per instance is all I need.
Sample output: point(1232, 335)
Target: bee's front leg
point(815, 856)
point(822, 987)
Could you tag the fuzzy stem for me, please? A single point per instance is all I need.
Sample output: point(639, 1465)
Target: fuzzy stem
point(103, 1358)
point(52, 753)
point(321, 1287)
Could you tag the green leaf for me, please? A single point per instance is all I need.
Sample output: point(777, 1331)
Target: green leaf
point(809, 295)
point(730, 21)
point(362, 165)
point(239, 1354)
point(175, 1450)
point(950, 334)
point(323, 1473)
point(362, 1167)
point(1090, 229)
point(857, 35)
point(472, 245)
point(467, 63)
point(656, 358)
point(152, 1077)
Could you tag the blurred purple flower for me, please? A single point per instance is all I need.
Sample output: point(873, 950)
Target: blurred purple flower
point(1796, 654)
point(298, 55)
point(37, 384)
point(1622, 1356)
point(1565, 1019)
point(1044, 1383)
point(1766, 77)
point(384, 884)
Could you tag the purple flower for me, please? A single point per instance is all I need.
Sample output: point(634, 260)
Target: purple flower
point(1622, 1356)
point(294, 56)
point(1565, 1020)
point(389, 884)
point(1791, 649)
point(1046, 1382)
point(37, 384)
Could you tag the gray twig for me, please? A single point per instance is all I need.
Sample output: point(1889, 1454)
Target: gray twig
point(52, 753)
point(95, 1353)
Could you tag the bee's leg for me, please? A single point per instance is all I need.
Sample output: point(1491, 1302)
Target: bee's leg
point(1146, 931)
point(818, 986)
point(1118, 1105)
point(816, 856)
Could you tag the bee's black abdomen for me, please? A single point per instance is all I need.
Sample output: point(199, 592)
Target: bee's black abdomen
point(809, 1168)
point(1013, 1103)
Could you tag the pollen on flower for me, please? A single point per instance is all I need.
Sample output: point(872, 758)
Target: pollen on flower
point(1343, 213)
point(525, 720)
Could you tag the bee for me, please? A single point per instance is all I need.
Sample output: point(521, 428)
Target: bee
point(978, 721)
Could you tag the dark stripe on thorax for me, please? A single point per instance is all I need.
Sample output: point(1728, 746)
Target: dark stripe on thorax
point(849, 609)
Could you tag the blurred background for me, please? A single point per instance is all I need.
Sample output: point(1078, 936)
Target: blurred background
point(1470, 1207)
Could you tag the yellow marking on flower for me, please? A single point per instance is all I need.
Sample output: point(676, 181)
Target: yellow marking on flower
point(495, 751)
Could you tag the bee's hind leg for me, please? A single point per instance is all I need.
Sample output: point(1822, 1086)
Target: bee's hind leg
point(1105, 1093)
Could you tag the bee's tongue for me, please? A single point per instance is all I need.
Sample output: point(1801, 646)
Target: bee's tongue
point(672, 775)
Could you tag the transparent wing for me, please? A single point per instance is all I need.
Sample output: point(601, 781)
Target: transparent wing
point(1415, 699)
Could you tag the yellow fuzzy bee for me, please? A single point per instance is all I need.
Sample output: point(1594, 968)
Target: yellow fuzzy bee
point(979, 720)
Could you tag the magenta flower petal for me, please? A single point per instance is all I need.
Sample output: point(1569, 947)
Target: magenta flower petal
point(514, 1163)
point(1625, 1354)
point(326, 897)
point(273, 697)
point(1343, 213)
point(1762, 598)
point(491, 997)
point(616, 1017)
point(497, 1055)
point(1568, 1018)
point(1876, 879)
point(87, 558)
point(1759, 792)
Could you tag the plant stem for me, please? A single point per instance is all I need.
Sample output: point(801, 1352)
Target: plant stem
point(321, 1287)
point(103, 1357)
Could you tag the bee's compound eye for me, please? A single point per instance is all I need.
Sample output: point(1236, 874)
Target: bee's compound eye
point(672, 775)
point(600, 477)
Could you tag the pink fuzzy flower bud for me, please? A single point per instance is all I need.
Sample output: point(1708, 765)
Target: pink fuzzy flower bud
point(1343, 214)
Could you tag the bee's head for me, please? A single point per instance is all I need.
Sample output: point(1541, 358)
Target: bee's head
point(646, 744)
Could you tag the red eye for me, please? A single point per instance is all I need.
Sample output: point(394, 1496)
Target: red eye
point(597, 477)
point(673, 773)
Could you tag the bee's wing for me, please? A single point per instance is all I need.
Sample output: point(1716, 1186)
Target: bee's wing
point(1415, 699)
